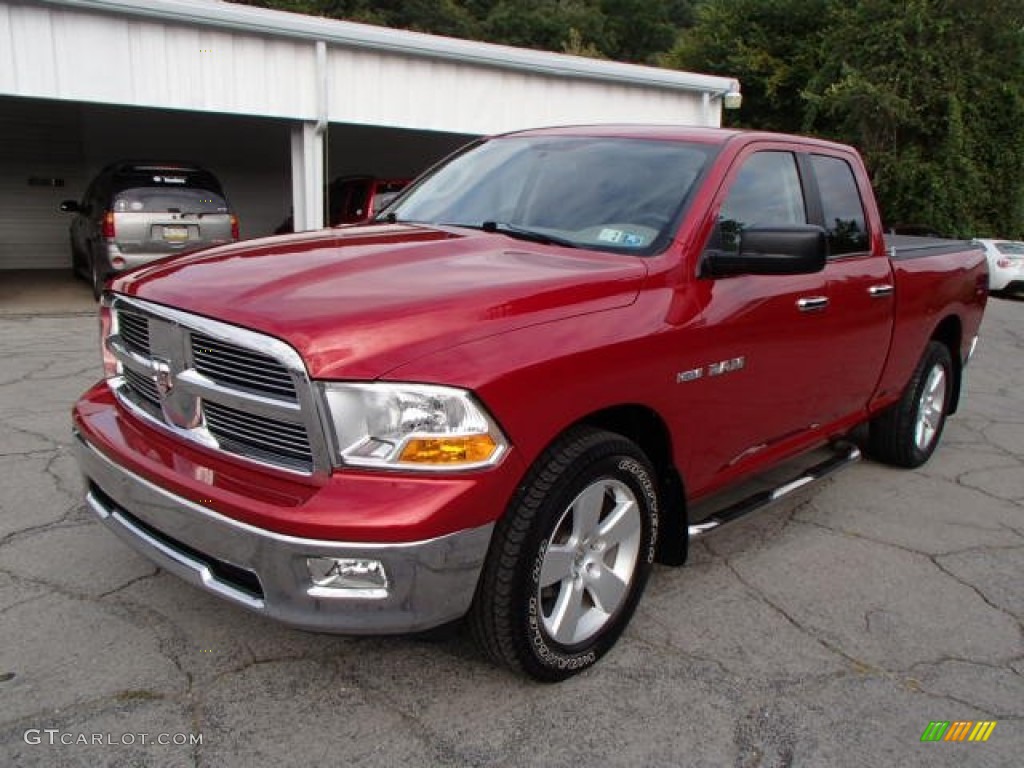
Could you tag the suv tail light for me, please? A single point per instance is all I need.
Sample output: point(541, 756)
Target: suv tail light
point(234, 227)
point(110, 368)
point(108, 225)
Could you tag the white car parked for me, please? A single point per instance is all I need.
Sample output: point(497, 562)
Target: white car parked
point(1005, 265)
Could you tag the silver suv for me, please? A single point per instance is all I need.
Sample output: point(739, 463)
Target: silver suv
point(135, 212)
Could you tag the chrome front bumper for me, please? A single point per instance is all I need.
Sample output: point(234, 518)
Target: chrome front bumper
point(429, 582)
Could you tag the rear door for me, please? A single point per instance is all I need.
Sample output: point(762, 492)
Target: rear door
point(860, 290)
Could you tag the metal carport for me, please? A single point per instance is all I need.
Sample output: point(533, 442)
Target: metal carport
point(256, 94)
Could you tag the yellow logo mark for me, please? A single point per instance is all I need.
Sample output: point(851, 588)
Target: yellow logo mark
point(982, 730)
point(959, 730)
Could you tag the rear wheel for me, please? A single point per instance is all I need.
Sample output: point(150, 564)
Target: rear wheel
point(906, 434)
point(570, 559)
point(98, 277)
point(77, 267)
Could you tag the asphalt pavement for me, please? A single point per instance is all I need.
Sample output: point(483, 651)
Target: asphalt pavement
point(830, 630)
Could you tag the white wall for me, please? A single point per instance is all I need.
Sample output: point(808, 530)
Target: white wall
point(373, 88)
point(63, 53)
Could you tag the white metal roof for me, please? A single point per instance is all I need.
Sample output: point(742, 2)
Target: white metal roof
point(217, 56)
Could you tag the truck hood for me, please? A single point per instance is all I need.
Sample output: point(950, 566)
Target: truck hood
point(358, 302)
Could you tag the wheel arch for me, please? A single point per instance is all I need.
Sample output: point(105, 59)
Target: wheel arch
point(949, 332)
point(644, 427)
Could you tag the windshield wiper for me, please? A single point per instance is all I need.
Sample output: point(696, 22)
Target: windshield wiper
point(523, 234)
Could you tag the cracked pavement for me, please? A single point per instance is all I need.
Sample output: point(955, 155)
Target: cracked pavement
point(827, 630)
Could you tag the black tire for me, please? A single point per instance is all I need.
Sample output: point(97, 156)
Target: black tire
point(97, 278)
point(906, 434)
point(560, 522)
point(76, 262)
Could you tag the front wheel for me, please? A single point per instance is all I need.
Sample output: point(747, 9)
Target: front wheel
point(907, 433)
point(569, 560)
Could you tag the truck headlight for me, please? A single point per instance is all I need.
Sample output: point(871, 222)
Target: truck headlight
point(410, 426)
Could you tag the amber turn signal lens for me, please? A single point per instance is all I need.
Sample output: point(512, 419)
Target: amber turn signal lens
point(471, 449)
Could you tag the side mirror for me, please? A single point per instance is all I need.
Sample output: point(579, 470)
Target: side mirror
point(790, 250)
point(70, 206)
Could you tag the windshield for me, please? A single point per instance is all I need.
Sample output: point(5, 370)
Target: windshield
point(613, 194)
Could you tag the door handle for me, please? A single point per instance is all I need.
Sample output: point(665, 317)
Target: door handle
point(880, 291)
point(812, 303)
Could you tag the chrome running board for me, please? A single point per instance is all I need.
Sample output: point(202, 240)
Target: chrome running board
point(846, 454)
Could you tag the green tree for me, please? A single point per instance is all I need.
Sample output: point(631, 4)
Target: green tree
point(440, 17)
point(930, 91)
point(642, 30)
point(551, 25)
point(624, 30)
point(771, 46)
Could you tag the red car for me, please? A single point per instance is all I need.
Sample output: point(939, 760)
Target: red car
point(567, 352)
point(354, 200)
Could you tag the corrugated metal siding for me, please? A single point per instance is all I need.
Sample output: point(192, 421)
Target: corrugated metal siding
point(64, 53)
point(61, 53)
point(372, 88)
point(63, 63)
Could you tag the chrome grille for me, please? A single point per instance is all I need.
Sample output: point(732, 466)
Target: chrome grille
point(260, 436)
point(134, 329)
point(144, 387)
point(235, 366)
point(218, 385)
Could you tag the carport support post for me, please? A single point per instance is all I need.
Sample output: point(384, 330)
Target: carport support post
point(307, 176)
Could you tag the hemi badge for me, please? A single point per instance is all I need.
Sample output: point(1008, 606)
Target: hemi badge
point(713, 369)
point(691, 375)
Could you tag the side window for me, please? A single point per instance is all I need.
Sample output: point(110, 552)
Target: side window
point(766, 192)
point(841, 205)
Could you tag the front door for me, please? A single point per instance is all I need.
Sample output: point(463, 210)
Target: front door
point(760, 338)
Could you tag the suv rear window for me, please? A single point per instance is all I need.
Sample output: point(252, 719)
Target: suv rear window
point(169, 199)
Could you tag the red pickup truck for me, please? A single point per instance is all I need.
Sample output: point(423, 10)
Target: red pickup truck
point(554, 359)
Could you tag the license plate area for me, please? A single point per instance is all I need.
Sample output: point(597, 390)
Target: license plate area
point(175, 234)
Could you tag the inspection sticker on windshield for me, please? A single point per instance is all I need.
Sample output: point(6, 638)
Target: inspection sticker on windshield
point(620, 237)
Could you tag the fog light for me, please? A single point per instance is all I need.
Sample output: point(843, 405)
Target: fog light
point(347, 577)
